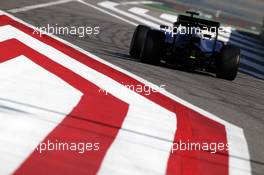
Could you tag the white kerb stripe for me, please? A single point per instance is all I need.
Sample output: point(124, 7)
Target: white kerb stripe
point(140, 2)
point(143, 12)
point(169, 17)
point(32, 7)
point(238, 164)
point(24, 127)
point(112, 6)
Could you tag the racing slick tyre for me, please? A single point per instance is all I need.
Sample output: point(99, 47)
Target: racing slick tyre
point(153, 46)
point(227, 63)
point(137, 41)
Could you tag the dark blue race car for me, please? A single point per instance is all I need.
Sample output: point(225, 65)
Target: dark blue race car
point(191, 43)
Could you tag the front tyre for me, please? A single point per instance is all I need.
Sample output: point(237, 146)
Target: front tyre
point(227, 63)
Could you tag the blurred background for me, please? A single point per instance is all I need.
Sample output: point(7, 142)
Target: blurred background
point(245, 15)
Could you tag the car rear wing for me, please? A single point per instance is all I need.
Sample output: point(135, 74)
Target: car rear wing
point(196, 22)
point(203, 24)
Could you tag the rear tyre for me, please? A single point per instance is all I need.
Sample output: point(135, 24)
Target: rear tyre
point(153, 46)
point(227, 63)
point(137, 41)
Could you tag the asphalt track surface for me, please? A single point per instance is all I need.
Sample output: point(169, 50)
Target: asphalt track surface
point(240, 102)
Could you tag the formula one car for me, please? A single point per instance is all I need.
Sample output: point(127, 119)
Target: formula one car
point(191, 43)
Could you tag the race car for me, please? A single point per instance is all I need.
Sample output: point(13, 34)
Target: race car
point(198, 48)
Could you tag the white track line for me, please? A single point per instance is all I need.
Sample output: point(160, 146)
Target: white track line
point(112, 6)
point(143, 12)
point(169, 17)
point(235, 135)
point(139, 2)
point(106, 12)
point(32, 7)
